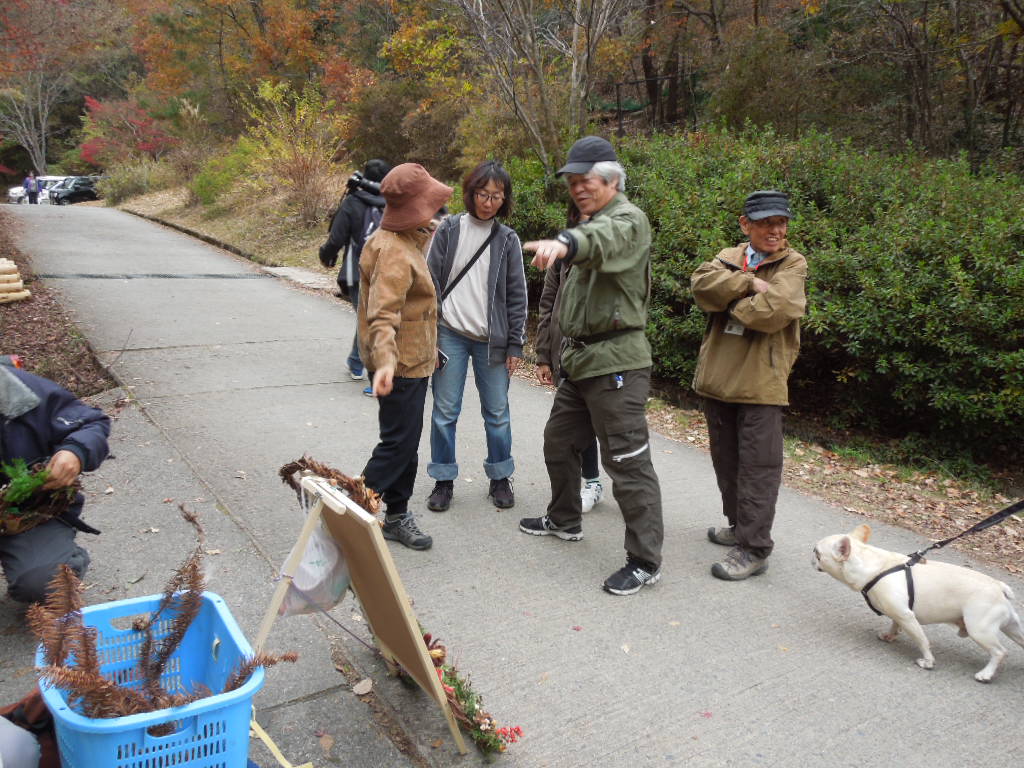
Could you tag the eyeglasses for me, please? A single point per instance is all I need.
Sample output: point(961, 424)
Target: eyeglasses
point(484, 197)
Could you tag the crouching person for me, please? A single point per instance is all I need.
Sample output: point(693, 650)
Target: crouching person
point(754, 294)
point(398, 338)
point(42, 423)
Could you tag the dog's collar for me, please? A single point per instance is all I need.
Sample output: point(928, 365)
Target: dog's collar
point(913, 560)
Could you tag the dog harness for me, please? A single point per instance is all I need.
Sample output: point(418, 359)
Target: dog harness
point(917, 557)
point(905, 567)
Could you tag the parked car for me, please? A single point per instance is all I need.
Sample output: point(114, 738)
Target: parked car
point(74, 189)
point(46, 183)
point(17, 194)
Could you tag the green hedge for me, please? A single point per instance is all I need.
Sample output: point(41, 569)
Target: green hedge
point(916, 291)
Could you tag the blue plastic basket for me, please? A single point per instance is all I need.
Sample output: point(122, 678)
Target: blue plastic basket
point(209, 733)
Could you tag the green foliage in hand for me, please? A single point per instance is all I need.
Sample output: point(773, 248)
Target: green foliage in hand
point(21, 482)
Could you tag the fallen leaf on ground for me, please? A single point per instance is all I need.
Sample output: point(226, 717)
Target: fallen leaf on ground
point(437, 743)
point(137, 579)
point(326, 743)
point(625, 648)
point(214, 551)
point(576, 628)
point(109, 490)
point(150, 530)
point(363, 687)
point(168, 500)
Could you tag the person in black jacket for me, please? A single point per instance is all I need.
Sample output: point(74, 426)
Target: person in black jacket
point(355, 215)
point(44, 424)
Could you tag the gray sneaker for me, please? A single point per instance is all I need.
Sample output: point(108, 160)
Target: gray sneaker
point(405, 531)
point(739, 564)
point(724, 536)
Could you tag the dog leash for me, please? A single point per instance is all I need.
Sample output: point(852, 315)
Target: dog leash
point(916, 557)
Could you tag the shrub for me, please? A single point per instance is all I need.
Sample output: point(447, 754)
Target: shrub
point(294, 138)
point(916, 288)
point(222, 172)
point(136, 177)
point(915, 321)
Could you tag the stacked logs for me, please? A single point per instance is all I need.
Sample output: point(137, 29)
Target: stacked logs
point(11, 286)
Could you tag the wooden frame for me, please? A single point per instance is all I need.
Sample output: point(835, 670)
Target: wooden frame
point(375, 581)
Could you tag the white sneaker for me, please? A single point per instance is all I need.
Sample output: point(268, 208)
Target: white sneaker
point(591, 494)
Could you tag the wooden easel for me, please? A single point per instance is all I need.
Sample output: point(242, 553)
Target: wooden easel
point(375, 581)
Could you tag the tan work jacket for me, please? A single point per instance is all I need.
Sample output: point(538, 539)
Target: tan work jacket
point(752, 339)
point(397, 304)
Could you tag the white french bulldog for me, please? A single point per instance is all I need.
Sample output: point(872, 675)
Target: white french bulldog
point(943, 594)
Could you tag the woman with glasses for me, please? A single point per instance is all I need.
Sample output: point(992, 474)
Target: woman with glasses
point(477, 266)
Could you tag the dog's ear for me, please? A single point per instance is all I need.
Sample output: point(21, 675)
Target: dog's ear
point(841, 549)
point(862, 533)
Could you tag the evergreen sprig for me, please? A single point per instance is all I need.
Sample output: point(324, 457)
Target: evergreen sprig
point(22, 482)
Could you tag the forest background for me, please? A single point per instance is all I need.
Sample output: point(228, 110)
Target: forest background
point(897, 127)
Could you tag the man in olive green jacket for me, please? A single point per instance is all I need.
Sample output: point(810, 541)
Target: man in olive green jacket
point(754, 295)
point(606, 363)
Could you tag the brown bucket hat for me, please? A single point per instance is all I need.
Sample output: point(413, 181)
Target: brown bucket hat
point(412, 197)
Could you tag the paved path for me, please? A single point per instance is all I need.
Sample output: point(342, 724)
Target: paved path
point(235, 372)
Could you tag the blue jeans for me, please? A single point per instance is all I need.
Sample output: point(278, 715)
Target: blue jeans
point(448, 385)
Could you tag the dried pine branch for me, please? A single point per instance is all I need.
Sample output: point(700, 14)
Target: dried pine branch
point(100, 697)
point(59, 626)
point(55, 620)
point(184, 595)
point(86, 658)
point(355, 487)
point(248, 666)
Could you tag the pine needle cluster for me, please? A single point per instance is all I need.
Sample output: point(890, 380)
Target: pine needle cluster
point(60, 628)
point(354, 487)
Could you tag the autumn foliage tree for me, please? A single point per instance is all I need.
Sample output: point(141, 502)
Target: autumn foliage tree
point(116, 131)
point(213, 50)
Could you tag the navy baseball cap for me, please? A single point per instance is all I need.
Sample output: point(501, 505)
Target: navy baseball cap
point(585, 152)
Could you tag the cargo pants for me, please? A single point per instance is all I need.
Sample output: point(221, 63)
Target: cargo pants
point(612, 407)
point(746, 451)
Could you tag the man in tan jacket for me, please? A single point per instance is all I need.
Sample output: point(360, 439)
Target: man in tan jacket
point(754, 294)
point(398, 338)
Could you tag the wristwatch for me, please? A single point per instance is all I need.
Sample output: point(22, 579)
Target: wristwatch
point(569, 242)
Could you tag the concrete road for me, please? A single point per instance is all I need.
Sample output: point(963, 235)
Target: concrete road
point(233, 372)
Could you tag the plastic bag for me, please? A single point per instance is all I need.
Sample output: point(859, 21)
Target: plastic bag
point(321, 578)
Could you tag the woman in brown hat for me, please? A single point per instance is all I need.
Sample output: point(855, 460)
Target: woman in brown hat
point(398, 338)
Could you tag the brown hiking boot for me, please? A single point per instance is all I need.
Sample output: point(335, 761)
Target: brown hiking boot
point(738, 565)
point(724, 536)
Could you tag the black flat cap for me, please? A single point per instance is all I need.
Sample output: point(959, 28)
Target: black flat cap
point(761, 205)
point(585, 152)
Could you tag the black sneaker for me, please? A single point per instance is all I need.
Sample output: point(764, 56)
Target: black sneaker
point(542, 526)
point(501, 493)
point(629, 579)
point(405, 531)
point(441, 497)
